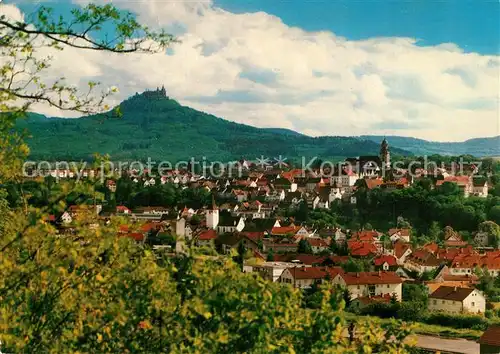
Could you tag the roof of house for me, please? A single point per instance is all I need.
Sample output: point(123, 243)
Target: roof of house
point(317, 242)
point(459, 180)
point(402, 232)
point(314, 272)
point(361, 249)
point(207, 235)
point(491, 336)
point(365, 235)
point(367, 300)
point(284, 230)
point(400, 248)
point(390, 260)
point(453, 293)
point(434, 285)
point(380, 277)
point(372, 183)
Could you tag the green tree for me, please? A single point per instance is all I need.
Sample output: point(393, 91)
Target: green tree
point(270, 255)
point(492, 229)
point(94, 292)
point(304, 247)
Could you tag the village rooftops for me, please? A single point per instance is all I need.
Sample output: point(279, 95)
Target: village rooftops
point(453, 293)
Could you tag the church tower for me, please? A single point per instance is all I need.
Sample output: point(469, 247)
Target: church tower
point(385, 155)
point(212, 215)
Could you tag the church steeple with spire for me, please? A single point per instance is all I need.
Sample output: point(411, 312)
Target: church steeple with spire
point(385, 155)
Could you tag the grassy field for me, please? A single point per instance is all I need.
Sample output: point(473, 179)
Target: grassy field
point(426, 329)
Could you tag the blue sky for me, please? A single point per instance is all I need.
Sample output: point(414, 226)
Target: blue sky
point(472, 25)
point(420, 68)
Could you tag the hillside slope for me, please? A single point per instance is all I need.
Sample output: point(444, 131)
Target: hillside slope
point(477, 147)
point(162, 129)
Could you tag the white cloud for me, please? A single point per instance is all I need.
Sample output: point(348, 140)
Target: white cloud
point(252, 68)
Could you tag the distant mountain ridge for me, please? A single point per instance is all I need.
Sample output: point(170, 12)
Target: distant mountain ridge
point(479, 147)
point(155, 126)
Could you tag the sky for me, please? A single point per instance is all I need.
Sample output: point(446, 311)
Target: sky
point(426, 69)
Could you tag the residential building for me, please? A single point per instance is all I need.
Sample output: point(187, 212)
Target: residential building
point(399, 234)
point(490, 340)
point(273, 270)
point(457, 300)
point(480, 187)
point(206, 238)
point(379, 283)
point(230, 224)
point(305, 277)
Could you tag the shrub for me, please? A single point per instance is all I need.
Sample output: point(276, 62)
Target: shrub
point(411, 311)
point(381, 310)
point(457, 321)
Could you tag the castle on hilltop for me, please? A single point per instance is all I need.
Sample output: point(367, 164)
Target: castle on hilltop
point(156, 94)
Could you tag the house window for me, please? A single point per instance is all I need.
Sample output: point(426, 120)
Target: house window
point(435, 302)
point(388, 286)
point(473, 304)
point(443, 301)
point(358, 286)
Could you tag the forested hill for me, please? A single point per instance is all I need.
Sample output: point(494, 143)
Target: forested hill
point(477, 147)
point(161, 128)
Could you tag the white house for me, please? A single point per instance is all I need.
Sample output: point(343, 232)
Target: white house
point(344, 179)
point(481, 239)
point(272, 270)
point(457, 300)
point(206, 238)
point(305, 277)
point(231, 224)
point(370, 284)
point(66, 218)
point(399, 234)
point(480, 188)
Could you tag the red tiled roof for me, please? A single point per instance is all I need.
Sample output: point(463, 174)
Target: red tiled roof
point(402, 232)
point(150, 226)
point(207, 235)
point(373, 183)
point(365, 235)
point(400, 248)
point(285, 230)
point(317, 242)
point(431, 247)
point(123, 228)
point(314, 272)
point(460, 180)
point(490, 260)
point(254, 236)
point(390, 260)
point(453, 293)
point(361, 249)
point(381, 277)
point(339, 259)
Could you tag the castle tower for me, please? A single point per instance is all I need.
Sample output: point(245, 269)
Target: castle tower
point(385, 155)
point(212, 215)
